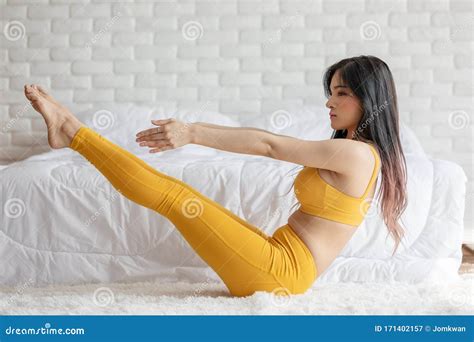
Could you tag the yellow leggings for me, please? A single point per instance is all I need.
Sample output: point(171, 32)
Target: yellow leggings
point(246, 259)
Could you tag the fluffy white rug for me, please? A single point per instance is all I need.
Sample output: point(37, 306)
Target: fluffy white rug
point(147, 298)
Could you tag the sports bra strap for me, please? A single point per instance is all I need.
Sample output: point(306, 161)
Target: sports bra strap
point(374, 174)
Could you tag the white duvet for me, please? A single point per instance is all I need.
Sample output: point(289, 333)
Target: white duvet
point(63, 223)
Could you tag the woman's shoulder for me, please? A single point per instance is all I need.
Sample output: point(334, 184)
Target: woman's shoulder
point(371, 151)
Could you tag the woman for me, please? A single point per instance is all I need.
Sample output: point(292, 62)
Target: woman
point(337, 180)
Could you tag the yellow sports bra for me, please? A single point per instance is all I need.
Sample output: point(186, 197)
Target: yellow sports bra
point(321, 199)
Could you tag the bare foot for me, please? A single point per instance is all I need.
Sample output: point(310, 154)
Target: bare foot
point(61, 123)
point(44, 93)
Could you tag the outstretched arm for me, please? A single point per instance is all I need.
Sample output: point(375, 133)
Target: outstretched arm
point(172, 133)
point(244, 140)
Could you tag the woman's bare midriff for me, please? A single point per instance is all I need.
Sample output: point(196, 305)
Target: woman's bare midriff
point(324, 238)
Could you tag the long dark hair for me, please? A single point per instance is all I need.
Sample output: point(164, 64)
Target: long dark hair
point(370, 79)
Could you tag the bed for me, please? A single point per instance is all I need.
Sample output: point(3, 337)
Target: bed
point(63, 223)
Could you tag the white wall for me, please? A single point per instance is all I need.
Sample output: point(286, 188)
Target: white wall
point(237, 57)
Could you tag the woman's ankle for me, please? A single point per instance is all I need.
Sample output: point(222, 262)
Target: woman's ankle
point(70, 128)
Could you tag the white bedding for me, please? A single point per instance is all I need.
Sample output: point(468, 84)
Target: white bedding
point(63, 223)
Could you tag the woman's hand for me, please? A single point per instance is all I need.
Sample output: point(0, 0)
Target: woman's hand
point(169, 134)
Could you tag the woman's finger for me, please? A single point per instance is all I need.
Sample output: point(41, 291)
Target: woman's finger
point(151, 137)
point(153, 130)
point(153, 143)
point(148, 143)
point(161, 121)
point(161, 149)
point(149, 131)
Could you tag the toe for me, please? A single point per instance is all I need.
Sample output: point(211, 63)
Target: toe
point(30, 93)
point(41, 90)
point(32, 97)
point(27, 90)
point(37, 91)
point(43, 93)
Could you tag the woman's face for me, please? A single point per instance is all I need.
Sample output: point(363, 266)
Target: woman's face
point(346, 107)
